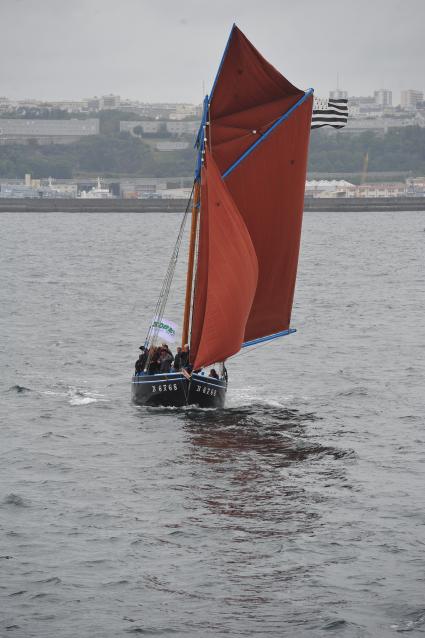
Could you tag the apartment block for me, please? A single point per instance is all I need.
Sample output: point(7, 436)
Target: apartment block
point(46, 131)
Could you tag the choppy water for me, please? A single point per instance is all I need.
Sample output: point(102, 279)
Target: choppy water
point(296, 511)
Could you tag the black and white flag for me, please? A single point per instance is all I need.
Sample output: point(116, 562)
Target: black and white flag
point(329, 113)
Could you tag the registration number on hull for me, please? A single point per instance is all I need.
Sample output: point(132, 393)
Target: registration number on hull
point(211, 391)
point(165, 387)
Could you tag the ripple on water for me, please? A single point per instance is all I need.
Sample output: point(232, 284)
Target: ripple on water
point(295, 512)
point(15, 499)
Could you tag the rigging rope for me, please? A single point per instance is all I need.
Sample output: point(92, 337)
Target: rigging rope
point(152, 334)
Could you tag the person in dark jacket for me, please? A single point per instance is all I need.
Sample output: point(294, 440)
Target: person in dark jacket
point(153, 360)
point(185, 356)
point(178, 360)
point(213, 374)
point(141, 361)
point(165, 358)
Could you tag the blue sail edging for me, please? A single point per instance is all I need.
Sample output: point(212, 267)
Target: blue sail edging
point(276, 335)
point(267, 133)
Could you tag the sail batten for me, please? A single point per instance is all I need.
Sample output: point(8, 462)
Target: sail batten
point(281, 119)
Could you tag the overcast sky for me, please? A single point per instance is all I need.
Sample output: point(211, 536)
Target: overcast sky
point(164, 50)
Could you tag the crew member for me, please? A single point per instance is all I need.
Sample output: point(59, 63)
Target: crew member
point(141, 361)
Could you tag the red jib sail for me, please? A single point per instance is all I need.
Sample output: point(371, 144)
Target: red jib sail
point(226, 277)
point(257, 133)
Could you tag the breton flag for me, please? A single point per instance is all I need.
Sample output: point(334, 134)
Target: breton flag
point(329, 113)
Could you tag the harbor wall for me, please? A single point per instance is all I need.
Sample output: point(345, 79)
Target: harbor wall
point(179, 205)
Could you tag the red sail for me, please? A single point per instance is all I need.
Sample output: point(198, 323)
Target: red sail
point(267, 184)
point(227, 272)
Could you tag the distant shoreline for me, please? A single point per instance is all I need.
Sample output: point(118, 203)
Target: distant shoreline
point(179, 206)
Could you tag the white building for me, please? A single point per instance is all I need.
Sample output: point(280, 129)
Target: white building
point(381, 125)
point(337, 94)
point(383, 97)
point(46, 131)
point(170, 145)
point(409, 99)
point(183, 127)
point(149, 126)
point(384, 189)
point(168, 127)
point(176, 193)
point(109, 102)
point(329, 188)
point(72, 106)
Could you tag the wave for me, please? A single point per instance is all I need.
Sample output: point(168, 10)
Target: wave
point(19, 389)
point(75, 396)
point(15, 499)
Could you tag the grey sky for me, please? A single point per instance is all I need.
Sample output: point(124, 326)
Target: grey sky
point(163, 50)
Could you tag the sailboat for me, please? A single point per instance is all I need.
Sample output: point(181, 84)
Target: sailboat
point(246, 213)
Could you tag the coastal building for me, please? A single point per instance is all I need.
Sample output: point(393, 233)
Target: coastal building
point(168, 127)
point(337, 94)
point(186, 111)
point(20, 131)
point(18, 191)
point(71, 106)
point(170, 145)
point(410, 98)
point(6, 104)
point(153, 187)
point(183, 127)
point(383, 189)
point(138, 187)
point(37, 188)
point(93, 103)
point(383, 97)
point(363, 106)
point(329, 188)
point(109, 102)
point(380, 125)
point(415, 187)
point(176, 193)
point(149, 126)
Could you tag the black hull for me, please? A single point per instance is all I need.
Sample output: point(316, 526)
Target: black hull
point(174, 390)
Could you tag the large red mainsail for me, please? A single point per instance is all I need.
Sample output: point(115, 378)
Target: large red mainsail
point(257, 133)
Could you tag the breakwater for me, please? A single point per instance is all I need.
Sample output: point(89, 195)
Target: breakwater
point(179, 205)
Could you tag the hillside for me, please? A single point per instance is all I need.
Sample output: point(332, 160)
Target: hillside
point(114, 154)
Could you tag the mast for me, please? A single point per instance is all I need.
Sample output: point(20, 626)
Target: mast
point(191, 261)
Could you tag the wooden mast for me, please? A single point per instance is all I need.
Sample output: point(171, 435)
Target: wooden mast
point(190, 264)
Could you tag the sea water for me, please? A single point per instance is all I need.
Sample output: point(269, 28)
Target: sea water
point(298, 510)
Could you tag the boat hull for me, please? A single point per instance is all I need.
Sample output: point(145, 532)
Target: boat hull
point(206, 392)
point(175, 390)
